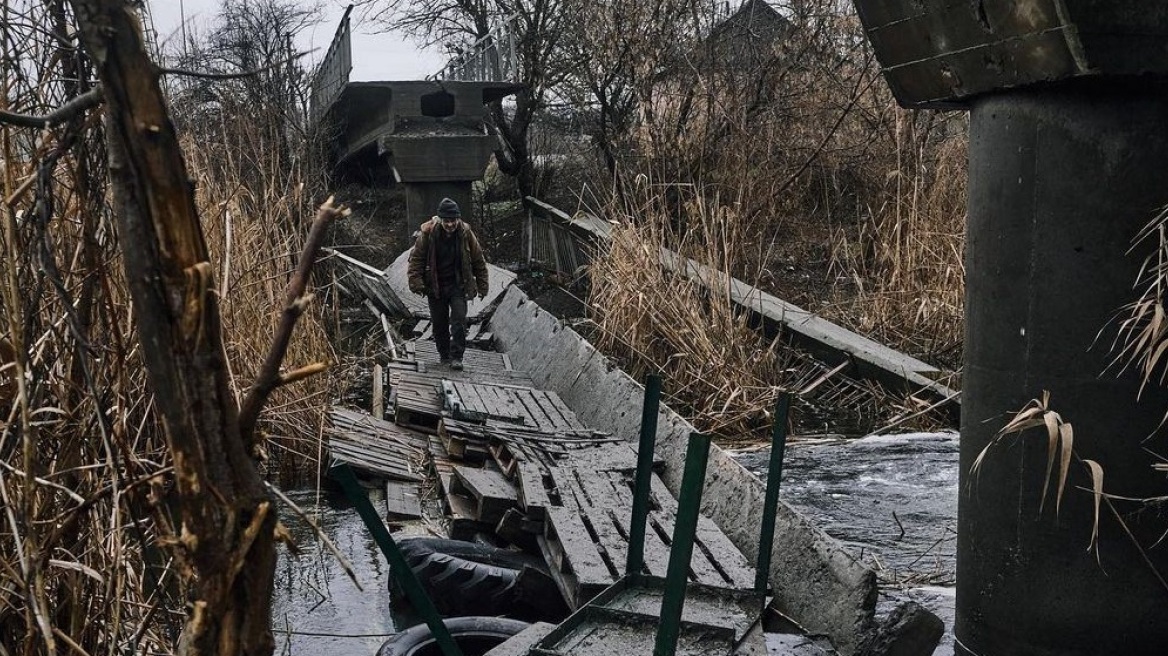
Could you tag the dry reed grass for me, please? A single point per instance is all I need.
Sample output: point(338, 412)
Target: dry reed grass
point(905, 260)
point(255, 236)
point(84, 475)
point(866, 199)
point(715, 365)
point(789, 150)
point(1060, 449)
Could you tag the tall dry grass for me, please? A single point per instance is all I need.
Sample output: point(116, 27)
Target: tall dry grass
point(903, 263)
point(718, 369)
point(85, 489)
point(842, 203)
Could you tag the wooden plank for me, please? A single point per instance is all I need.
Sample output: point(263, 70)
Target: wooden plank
point(403, 500)
point(701, 569)
point(532, 493)
point(378, 392)
point(613, 544)
point(549, 408)
point(607, 457)
point(655, 551)
point(736, 569)
point(571, 551)
point(569, 416)
point(600, 491)
point(491, 493)
point(532, 410)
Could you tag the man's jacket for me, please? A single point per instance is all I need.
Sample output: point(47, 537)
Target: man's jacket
point(423, 269)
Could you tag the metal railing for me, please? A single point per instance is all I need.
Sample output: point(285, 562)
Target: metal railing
point(332, 74)
point(493, 58)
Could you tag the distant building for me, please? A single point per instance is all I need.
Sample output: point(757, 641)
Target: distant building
point(744, 40)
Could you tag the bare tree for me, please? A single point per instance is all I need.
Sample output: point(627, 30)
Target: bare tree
point(225, 547)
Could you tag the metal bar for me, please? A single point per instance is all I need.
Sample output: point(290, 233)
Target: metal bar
point(766, 540)
point(397, 563)
point(680, 552)
point(636, 554)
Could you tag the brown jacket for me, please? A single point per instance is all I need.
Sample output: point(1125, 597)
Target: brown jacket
point(423, 269)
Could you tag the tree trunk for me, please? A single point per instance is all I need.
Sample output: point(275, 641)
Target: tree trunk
point(226, 548)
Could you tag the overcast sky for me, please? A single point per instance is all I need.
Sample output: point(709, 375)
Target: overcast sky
point(375, 56)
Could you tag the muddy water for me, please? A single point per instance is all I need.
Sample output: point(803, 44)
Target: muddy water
point(316, 609)
point(892, 500)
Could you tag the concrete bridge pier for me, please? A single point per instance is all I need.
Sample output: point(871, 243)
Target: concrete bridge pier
point(1068, 161)
point(1060, 180)
point(430, 136)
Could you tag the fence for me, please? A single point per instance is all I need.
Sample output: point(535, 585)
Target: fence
point(493, 58)
point(332, 74)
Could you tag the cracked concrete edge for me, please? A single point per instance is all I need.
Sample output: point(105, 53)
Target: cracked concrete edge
point(817, 582)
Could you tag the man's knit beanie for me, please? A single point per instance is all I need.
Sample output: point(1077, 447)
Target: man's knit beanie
point(448, 209)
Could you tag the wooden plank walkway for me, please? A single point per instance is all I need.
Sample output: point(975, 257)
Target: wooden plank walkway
point(506, 453)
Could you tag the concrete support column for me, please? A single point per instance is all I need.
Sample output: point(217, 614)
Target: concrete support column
point(422, 200)
point(1060, 180)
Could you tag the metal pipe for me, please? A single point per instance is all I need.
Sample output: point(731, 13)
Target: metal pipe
point(397, 563)
point(766, 539)
point(680, 552)
point(636, 554)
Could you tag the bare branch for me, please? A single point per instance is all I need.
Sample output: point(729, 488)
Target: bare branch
point(87, 100)
point(269, 376)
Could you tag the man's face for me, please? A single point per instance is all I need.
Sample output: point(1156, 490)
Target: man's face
point(450, 225)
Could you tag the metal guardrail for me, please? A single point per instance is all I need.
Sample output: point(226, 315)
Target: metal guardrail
point(493, 58)
point(332, 74)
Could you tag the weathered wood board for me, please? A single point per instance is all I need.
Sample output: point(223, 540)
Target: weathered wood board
point(376, 446)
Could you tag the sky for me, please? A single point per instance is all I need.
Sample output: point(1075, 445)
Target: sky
point(375, 56)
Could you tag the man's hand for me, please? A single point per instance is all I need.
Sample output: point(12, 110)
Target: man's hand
point(417, 287)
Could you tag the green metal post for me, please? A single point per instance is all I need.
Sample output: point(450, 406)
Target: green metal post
point(680, 552)
point(766, 540)
point(397, 563)
point(636, 555)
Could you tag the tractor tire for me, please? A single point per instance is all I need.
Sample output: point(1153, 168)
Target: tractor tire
point(464, 578)
point(475, 636)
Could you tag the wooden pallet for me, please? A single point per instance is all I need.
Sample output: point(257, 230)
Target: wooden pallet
point(598, 505)
point(376, 446)
point(491, 494)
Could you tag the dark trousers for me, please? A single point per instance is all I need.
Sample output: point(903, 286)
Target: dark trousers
point(448, 315)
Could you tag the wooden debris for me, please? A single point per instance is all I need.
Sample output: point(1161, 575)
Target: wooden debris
point(376, 446)
point(491, 494)
point(402, 500)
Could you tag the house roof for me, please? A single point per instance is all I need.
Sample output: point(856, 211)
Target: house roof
point(746, 33)
point(754, 20)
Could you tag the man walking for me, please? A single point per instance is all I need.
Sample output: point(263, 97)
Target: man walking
point(447, 267)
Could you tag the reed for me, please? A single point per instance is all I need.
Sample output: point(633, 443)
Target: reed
point(716, 366)
point(86, 494)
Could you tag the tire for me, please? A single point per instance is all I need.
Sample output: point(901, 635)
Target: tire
point(464, 578)
point(474, 635)
point(416, 548)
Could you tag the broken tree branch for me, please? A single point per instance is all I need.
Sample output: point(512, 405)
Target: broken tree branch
point(269, 377)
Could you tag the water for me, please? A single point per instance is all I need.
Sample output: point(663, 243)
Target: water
point(316, 608)
point(892, 500)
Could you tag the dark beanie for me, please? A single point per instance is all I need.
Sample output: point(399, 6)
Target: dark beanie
point(448, 209)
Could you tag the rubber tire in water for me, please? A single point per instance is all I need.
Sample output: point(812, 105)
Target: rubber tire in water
point(474, 635)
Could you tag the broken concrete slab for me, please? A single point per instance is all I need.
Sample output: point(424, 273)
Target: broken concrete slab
point(815, 580)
